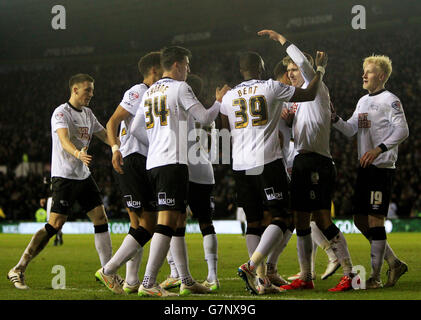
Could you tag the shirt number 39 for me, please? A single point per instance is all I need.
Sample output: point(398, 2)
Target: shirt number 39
point(255, 108)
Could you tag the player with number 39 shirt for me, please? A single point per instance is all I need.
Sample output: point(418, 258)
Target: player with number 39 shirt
point(252, 111)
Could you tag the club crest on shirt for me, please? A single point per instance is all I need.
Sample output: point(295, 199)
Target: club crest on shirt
point(59, 115)
point(397, 106)
point(294, 107)
point(363, 121)
point(133, 95)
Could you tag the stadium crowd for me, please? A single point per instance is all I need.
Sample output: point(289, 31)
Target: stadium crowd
point(30, 93)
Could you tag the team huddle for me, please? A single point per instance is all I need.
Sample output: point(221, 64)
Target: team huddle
point(283, 171)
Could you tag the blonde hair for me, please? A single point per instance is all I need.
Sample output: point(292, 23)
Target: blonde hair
point(382, 62)
point(287, 60)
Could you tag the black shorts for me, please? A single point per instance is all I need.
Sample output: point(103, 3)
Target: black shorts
point(170, 185)
point(67, 191)
point(268, 190)
point(373, 190)
point(201, 202)
point(312, 182)
point(135, 184)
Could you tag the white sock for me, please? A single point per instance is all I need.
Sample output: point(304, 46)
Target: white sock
point(158, 249)
point(210, 248)
point(313, 255)
point(132, 267)
point(270, 238)
point(378, 248)
point(252, 242)
point(304, 249)
point(178, 249)
point(318, 237)
point(390, 257)
point(273, 256)
point(173, 268)
point(340, 247)
point(127, 250)
point(103, 246)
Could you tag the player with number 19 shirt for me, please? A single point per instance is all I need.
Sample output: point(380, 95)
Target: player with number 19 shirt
point(380, 124)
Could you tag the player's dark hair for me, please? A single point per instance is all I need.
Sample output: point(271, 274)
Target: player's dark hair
point(280, 73)
point(145, 64)
point(79, 78)
point(173, 54)
point(196, 83)
point(279, 70)
point(250, 62)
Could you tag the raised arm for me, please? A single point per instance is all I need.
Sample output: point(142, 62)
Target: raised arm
point(310, 92)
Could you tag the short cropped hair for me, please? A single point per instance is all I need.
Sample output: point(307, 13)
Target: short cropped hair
point(196, 83)
point(173, 54)
point(280, 72)
point(152, 59)
point(287, 60)
point(382, 62)
point(251, 61)
point(279, 69)
point(79, 78)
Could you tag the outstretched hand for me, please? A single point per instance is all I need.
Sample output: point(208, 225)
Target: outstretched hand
point(272, 35)
point(84, 157)
point(321, 59)
point(220, 93)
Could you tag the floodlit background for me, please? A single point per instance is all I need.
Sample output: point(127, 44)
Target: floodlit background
point(106, 38)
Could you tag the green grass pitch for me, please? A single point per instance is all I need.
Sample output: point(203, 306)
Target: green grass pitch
point(79, 257)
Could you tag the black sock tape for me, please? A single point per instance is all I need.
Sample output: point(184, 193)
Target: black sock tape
point(51, 231)
point(331, 232)
point(165, 230)
point(101, 228)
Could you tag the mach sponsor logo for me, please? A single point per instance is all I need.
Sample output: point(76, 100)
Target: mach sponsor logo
point(132, 203)
point(272, 195)
point(164, 201)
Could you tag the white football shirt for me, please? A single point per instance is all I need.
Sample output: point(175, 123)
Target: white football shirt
point(311, 125)
point(164, 108)
point(378, 118)
point(200, 166)
point(254, 109)
point(129, 143)
point(81, 125)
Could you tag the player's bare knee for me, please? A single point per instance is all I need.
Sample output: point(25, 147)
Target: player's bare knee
point(361, 222)
point(57, 220)
point(98, 216)
point(134, 218)
point(322, 219)
point(375, 221)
